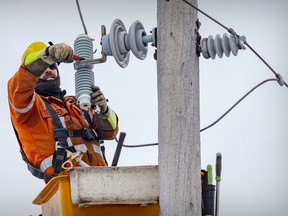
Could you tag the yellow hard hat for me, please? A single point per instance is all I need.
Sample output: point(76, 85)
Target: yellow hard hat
point(33, 47)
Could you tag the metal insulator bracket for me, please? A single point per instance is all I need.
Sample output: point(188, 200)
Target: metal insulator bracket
point(210, 46)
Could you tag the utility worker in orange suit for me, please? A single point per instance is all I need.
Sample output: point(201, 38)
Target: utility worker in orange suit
point(36, 83)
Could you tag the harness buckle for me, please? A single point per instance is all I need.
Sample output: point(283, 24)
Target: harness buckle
point(89, 134)
point(60, 133)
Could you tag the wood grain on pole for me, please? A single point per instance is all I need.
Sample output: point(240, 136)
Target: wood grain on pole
point(178, 109)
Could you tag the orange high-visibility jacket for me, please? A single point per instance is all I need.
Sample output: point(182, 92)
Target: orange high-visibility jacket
point(34, 124)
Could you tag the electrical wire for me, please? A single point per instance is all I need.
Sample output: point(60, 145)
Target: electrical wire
point(140, 145)
point(230, 30)
point(81, 17)
point(234, 105)
point(221, 117)
point(136, 146)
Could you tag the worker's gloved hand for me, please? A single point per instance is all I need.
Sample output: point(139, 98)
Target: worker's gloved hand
point(59, 53)
point(38, 57)
point(98, 99)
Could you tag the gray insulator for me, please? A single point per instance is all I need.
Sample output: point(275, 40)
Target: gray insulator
point(115, 43)
point(118, 42)
point(138, 40)
point(210, 46)
point(84, 76)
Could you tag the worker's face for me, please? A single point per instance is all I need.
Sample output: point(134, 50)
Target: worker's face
point(50, 73)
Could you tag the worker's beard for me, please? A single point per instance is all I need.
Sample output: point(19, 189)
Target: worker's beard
point(49, 87)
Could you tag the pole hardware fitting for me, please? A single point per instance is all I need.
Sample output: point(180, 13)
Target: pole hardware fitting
point(211, 46)
point(198, 38)
point(280, 79)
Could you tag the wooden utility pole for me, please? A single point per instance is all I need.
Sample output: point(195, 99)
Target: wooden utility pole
point(178, 109)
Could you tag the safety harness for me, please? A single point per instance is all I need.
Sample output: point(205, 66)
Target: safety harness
point(61, 135)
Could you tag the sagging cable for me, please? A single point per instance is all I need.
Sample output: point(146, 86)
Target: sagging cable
point(279, 80)
point(242, 98)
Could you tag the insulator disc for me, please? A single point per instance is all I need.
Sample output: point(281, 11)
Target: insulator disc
point(218, 46)
point(225, 45)
point(116, 38)
point(233, 45)
point(135, 40)
point(211, 48)
point(204, 49)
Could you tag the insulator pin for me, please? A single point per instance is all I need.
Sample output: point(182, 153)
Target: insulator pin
point(210, 46)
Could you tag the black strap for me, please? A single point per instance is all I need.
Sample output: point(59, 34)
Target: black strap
point(59, 158)
point(99, 136)
point(59, 130)
point(85, 133)
point(102, 147)
point(61, 134)
point(88, 118)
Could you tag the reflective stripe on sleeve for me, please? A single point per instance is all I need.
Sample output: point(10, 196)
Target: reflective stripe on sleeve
point(33, 57)
point(112, 119)
point(26, 109)
point(47, 162)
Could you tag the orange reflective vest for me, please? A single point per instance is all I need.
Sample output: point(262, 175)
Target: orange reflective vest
point(35, 126)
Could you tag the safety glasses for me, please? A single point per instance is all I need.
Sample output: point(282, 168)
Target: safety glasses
point(53, 66)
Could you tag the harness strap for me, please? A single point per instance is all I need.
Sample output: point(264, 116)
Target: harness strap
point(59, 136)
point(59, 156)
point(63, 133)
point(88, 118)
point(100, 139)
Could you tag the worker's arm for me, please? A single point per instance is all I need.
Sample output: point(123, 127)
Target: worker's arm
point(107, 124)
point(21, 93)
point(106, 121)
point(36, 59)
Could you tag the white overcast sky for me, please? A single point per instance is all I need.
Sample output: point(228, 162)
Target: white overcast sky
point(252, 138)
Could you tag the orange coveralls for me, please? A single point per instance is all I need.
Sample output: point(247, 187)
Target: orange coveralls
point(34, 124)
